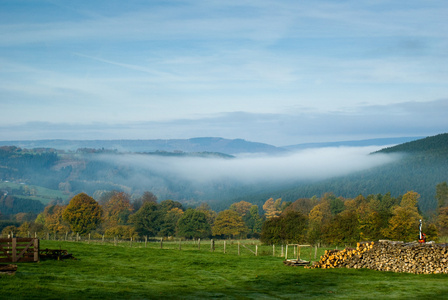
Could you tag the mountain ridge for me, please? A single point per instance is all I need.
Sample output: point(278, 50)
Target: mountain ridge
point(196, 144)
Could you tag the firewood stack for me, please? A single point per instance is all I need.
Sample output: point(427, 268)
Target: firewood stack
point(414, 258)
point(338, 258)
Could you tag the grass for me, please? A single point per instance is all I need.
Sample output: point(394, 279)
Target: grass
point(43, 194)
point(121, 272)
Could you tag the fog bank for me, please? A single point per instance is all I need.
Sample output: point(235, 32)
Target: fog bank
point(309, 164)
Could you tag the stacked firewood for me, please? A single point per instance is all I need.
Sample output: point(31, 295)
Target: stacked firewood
point(414, 258)
point(337, 258)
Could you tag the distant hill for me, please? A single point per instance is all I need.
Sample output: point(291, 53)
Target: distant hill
point(430, 145)
point(200, 144)
point(360, 143)
point(423, 165)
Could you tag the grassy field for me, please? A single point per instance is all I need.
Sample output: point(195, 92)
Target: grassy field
point(43, 195)
point(121, 272)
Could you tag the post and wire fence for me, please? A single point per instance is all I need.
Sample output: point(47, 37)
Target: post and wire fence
point(243, 247)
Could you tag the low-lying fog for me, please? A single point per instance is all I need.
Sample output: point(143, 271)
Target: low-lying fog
point(309, 164)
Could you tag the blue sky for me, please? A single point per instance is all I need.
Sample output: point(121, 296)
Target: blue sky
point(280, 72)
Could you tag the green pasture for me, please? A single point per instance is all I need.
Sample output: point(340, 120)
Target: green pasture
point(125, 271)
point(43, 194)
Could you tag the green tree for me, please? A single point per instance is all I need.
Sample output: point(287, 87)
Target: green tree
point(287, 228)
point(146, 197)
point(83, 213)
point(294, 225)
point(193, 224)
point(170, 220)
point(228, 223)
point(253, 221)
point(147, 220)
point(342, 229)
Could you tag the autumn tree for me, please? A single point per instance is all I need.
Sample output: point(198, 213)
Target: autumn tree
point(55, 221)
point(117, 209)
point(193, 224)
point(272, 208)
point(146, 197)
point(83, 213)
point(242, 207)
point(304, 205)
point(404, 224)
point(228, 223)
point(319, 216)
point(121, 232)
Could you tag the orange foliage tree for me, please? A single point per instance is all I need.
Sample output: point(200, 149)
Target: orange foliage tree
point(83, 213)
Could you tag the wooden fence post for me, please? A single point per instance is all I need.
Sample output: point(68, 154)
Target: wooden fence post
point(282, 252)
point(146, 240)
point(89, 239)
point(161, 243)
point(256, 250)
point(14, 250)
point(66, 235)
point(102, 240)
point(199, 243)
point(212, 245)
point(315, 251)
point(131, 242)
point(286, 254)
point(36, 249)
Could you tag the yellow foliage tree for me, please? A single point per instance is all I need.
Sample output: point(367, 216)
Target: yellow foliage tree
point(228, 223)
point(272, 208)
point(242, 207)
point(319, 216)
point(404, 223)
point(54, 220)
point(83, 213)
point(117, 210)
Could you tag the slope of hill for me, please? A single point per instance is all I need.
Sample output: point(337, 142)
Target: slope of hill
point(359, 143)
point(202, 144)
point(423, 164)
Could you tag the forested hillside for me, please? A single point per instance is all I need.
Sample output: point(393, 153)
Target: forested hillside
point(423, 165)
point(188, 176)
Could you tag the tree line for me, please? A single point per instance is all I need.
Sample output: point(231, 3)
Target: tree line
point(328, 220)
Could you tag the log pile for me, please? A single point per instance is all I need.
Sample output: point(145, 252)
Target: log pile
point(8, 269)
point(428, 258)
point(337, 258)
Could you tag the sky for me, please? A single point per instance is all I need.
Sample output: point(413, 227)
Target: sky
point(277, 72)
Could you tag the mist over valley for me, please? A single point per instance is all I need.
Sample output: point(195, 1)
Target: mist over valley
point(245, 172)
